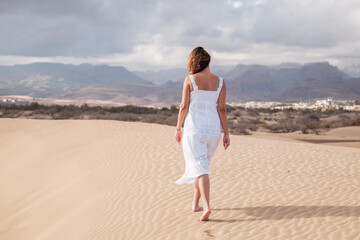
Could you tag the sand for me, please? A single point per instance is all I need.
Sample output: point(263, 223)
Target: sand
point(343, 136)
point(85, 179)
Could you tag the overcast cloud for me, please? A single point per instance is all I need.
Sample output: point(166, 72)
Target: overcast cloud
point(151, 35)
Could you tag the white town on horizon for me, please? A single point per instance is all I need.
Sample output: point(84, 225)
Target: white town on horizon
point(316, 104)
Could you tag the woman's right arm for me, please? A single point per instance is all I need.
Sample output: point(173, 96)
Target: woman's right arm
point(223, 115)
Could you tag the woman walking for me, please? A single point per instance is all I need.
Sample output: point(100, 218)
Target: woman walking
point(203, 112)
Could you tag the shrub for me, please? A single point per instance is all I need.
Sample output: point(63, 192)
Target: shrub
point(283, 126)
point(325, 125)
point(149, 118)
point(174, 109)
point(229, 108)
point(33, 106)
point(355, 122)
point(305, 111)
point(252, 112)
point(304, 130)
point(314, 117)
point(128, 117)
point(171, 120)
point(237, 113)
point(255, 121)
point(85, 107)
point(66, 114)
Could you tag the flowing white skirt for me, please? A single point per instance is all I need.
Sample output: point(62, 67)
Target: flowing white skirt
point(199, 148)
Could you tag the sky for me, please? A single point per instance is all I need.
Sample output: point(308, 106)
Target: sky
point(159, 34)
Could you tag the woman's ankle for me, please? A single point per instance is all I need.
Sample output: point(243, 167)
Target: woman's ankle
point(207, 208)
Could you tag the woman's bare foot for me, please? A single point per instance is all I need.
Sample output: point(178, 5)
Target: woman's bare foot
point(205, 215)
point(196, 209)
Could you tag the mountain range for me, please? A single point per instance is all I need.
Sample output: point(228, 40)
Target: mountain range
point(284, 82)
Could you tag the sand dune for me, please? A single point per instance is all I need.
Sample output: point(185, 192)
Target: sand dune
point(77, 179)
point(345, 132)
point(343, 136)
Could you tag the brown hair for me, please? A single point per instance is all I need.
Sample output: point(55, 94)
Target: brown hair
point(199, 59)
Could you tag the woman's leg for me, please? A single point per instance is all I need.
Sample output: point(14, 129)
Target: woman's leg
point(204, 185)
point(195, 205)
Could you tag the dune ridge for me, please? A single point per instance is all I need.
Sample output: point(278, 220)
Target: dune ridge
point(76, 179)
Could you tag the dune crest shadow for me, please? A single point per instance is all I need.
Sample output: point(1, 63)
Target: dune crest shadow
point(289, 212)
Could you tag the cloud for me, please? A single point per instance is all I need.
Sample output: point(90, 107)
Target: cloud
point(71, 28)
point(157, 34)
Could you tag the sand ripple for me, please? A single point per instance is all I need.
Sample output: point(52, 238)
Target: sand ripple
point(115, 180)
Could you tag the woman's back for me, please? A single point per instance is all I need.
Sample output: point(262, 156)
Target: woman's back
point(206, 81)
point(203, 115)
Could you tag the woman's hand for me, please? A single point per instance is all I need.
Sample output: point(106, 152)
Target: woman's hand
point(178, 136)
point(226, 141)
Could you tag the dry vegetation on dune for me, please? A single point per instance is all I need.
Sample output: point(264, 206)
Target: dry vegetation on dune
point(241, 121)
point(129, 113)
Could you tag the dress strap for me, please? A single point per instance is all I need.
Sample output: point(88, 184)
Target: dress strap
point(193, 82)
point(217, 79)
point(220, 85)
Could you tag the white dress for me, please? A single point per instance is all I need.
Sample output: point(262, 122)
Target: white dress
point(202, 132)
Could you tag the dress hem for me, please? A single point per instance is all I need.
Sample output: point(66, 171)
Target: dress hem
point(189, 180)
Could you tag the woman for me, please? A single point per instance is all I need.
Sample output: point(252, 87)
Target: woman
point(203, 110)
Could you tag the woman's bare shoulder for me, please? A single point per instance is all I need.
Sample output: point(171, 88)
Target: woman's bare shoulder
point(205, 75)
point(187, 83)
point(187, 79)
point(213, 75)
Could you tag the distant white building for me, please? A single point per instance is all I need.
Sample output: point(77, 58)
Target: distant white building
point(324, 102)
point(320, 104)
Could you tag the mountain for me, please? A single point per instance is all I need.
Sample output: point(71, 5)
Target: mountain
point(177, 74)
point(259, 82)
point(65, 75)
point(173, 85)
point(127, 93)
point(314, 88)
point(53, 79)
point(286, 81)
point(163, 76)
point(353, 70)
point(286, 65)
point(321, 70)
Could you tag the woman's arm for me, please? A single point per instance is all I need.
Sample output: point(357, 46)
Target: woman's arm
point(223, 116)
point(222, 109)
point(184, 106)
